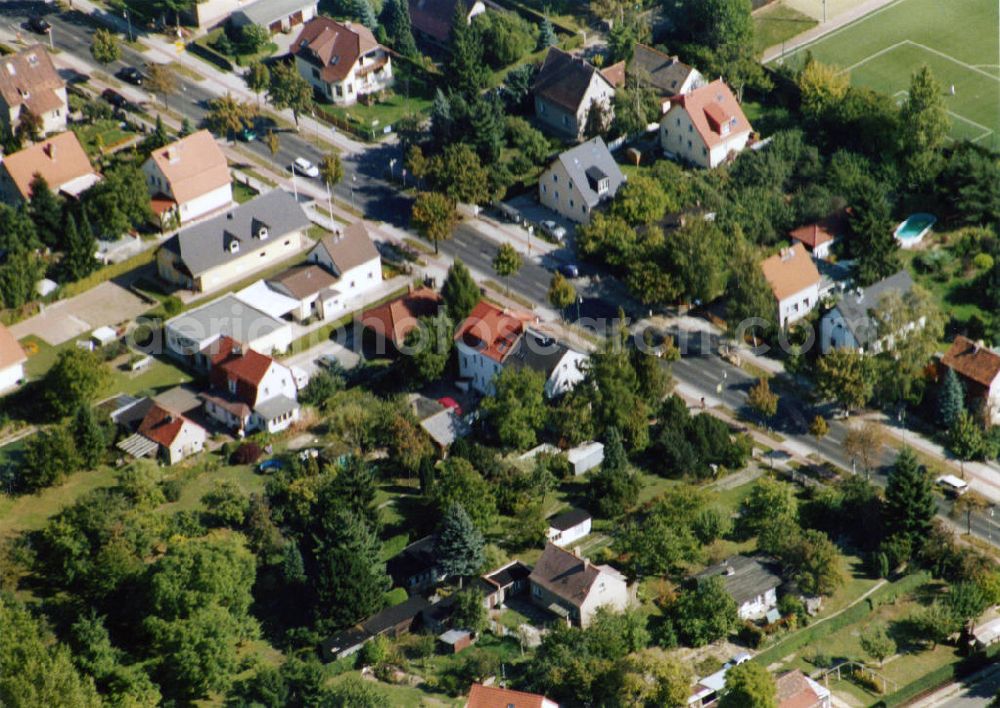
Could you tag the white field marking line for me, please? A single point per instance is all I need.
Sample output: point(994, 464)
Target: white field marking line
point(876, 55)
point(987, 131)
point(848, 25)
point(951, 58)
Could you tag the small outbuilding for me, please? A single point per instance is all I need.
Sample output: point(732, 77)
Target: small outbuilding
point(456, 640)
point(569, 527)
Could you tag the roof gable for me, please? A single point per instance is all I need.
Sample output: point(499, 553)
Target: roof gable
point(667, 74)
point(349, 248)
point(564, 79)
point(714, 112)
point(238, 232)
point(744, 578)
point(397, 318)
point(162, 426)
point(973, 361)
point(333, 47)
point(855, 307)
point(566, 575)
point(589, 162)
point(59, 159)
point(492, 331)
point(192, 166)
point(789, 272)
point(30, 76)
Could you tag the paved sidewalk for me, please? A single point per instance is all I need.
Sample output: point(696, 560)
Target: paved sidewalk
point(821, 30)
point(162, 51)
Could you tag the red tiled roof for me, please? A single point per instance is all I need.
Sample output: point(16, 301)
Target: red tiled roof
point(333, 47)
point(795, 692)
point(491, 330)
point(615, 74)
point(11, 352)
point(161, 426)
point(823, 231)
point(973, 361)
point(710, 107)
point(59, 159)
point(494, 697)
point(790, 271)
point(396, 319)
point(250, 366)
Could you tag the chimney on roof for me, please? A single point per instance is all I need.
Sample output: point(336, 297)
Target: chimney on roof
point(977, 345)
point(576, 551)
point(50, 150)
point(787, 254)
point(173, 154)
point(730, 570)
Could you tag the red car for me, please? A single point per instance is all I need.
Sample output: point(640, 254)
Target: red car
point(449, 402)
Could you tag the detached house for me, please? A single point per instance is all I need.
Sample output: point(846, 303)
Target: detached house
point(393, 320)
point(231, 246)
point(665, 74)
point(978, 367)
point(496, 697)
point(567, 87)
point(851, 325)
point(12, 358)
point(343, 61)
point(705, 126)
point(158, 430)
point(29, 83)
point(750, 582)
point(796, 690)
point(188, 178)
point(199, 336)
point(431, 19)
point(819, 237)
point(61, 160)
point(491, 338)
point(573, 588)
point(251, 391)
point(580, 179)
point(351, 256)
point(794, 282)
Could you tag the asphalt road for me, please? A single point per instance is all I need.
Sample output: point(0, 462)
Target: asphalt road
point(701, 368)
point(363, 183)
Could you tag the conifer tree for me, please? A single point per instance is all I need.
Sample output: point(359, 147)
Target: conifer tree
point(951, 399)
point(459, 544)
point(88, 436)
point(45, 210)
point(547, 35)
point(351, 578)
point(466, 67)
point(78, 261)
point(909, 499)
point(396, 20)
point(459, 291)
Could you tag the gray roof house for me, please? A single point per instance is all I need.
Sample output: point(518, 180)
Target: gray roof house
point(193, 336)
point(276, 15)
point(233, 245)
point(850, 323)
point(751, 582)
point(565, 89)
point(580, 179)
point(666, 74)
point(561, 366)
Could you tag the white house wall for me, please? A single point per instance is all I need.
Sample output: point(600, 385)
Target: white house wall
point(570, 535)
point(10, 377)
point(567, 374)
point(607, 591)
point(207, 203)
point(278, 248)
point(795, 307)
point(476, 367)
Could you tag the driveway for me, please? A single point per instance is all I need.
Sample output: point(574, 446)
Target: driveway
point(106, 304)
point(307, 360)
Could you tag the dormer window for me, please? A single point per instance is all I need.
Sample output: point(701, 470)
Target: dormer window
point(234, 246)
point(262, 233)
point(599, 182)
point(232, 386)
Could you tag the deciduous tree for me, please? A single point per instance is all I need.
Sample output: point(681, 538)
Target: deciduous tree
point(289, 89)
point(516, 411)
point(844, 376)
point(749, 685)
point(258, 78)
point(331, 169)
point(161, 81)
point(705, 613)
point(104, 46)
point(228, 116)
point(762, 399)
point(924, 128)
point(434, 216)
point(459, 483)
point(507, 262)
point(561, 293)
point(865, 442)
point(73, 380)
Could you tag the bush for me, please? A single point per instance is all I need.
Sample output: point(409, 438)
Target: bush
point(172, 489)
point(172, 306)
point(751, 635)
point(247, 454)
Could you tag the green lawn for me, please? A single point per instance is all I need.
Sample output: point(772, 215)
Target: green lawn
point(776, 23)
point(102, 136)
point(412, 94)
point(243, 193)
point(241, 59)
point(958, 40)
point(155, 378)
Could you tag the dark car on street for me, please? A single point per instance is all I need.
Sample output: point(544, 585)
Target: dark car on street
point(37, 23)
point(115, 99)
point(130, 75)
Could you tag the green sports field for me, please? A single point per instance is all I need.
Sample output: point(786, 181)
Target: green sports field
point(958, 39)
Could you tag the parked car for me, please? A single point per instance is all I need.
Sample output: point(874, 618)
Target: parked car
point(115, 99)
point(307, 168)
point(39, 24)
point(248, 135)
point(554, 230)
point(329, 361)
point(130, 75)
point(569, 270)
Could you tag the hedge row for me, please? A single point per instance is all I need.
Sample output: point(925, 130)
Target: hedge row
point(210, 55)
point(108, 273)
point(853, 614)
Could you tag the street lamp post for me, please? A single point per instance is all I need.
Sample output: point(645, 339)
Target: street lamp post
point(295, 189)
point(129, 20)
point(392, 168)
point(354, 178)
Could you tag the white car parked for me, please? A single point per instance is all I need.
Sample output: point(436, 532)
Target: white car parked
point(303, 166)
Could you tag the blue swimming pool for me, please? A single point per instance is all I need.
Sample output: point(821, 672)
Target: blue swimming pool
point(913, 230)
